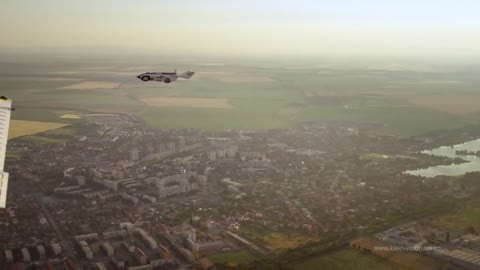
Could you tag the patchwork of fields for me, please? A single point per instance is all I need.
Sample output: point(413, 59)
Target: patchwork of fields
point(404, 102)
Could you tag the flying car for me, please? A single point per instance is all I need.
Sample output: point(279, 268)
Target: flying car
point(166, 77)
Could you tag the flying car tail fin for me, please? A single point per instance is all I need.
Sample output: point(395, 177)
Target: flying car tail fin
point(186, 75)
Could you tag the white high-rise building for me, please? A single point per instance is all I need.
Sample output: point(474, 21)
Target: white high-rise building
point(134, 155)
point(5, 111)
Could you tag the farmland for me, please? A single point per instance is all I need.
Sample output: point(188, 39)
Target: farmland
point(277, 241)
point(404, 100)
point(348, 259)
point(221, 103)
point(232, 258)
point(19, 128)
point(454, 104)
point(464, 220)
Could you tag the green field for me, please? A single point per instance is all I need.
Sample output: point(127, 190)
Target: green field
point(40, 139)
point(13, 155)
point(462, 221)
point(277, 241)
point(232, 258)
point(348, 259)
point(245, 114)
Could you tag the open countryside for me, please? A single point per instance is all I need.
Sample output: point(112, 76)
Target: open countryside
point(19, 128)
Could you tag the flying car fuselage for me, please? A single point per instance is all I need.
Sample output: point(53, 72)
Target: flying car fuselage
point(166, 77)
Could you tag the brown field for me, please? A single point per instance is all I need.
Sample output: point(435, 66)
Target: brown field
point(90, 85)
point(452, 104)
point(221, 103)
point(20, 128)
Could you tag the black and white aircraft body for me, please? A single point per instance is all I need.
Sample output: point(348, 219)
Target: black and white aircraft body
point(166, 77)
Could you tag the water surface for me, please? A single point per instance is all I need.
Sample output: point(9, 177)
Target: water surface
point(472, 164)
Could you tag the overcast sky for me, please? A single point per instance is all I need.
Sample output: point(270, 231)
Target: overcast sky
point(245, 27)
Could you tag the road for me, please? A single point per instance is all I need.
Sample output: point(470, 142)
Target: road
point(67, 245)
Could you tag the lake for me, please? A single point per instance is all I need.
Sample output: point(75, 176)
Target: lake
point(472, 164)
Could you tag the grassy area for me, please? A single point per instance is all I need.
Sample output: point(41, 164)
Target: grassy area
point(463, 220)
point(66, 131)
point(44, 140)
point(276, 240)
point(232, 258)
point(12, 155)
point(348, 259)
point(405, 120)
point(40, 115)
point(245, 114)
point(265, 113)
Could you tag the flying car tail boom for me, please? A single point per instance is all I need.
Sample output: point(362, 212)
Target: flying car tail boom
point(186, 75)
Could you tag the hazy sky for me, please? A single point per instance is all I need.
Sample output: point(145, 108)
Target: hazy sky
point(236, 27)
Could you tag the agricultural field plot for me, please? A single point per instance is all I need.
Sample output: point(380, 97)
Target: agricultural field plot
point(412, 260)
point(19, 128)
point(91, 85)
point(84, 101)
point(187, 102)
point(42, 115)
point(348, 259)
point(280, 241)
point(466, 220)
point(462, 104)
point(42, 139)
point(245, 114)
point(397, 120)
point(14, 155)
point(232, 258)
point(277, 241)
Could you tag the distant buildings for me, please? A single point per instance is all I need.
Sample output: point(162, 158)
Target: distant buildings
point(107, 247)
point(87, 251)
point(134, 155)
point(196, 245)
point(86, 237)
point(147, 238)
point(129, 198)
point(175, 184)
point(220, 152)
point(117, 234)
point(25, 254)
